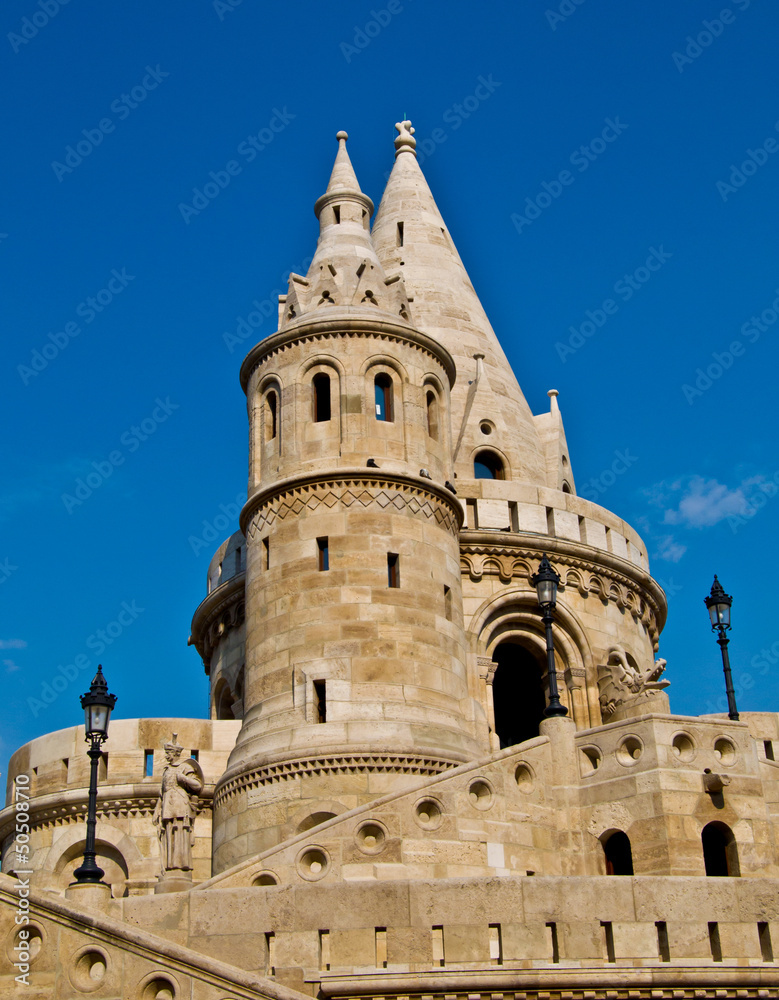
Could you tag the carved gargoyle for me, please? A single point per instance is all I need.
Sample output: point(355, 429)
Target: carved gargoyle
point(620, 681)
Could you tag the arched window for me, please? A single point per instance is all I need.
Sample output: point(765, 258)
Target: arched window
point(487, 465)
point(720, 852)
point(431, 401)
point(517, 693)
point(383, 397)
point(223, 701)
point(566, 488)
point(271, 415)
point(321, 384)
point(619, 857)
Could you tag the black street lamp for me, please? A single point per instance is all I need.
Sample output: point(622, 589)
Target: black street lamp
point(545, 581)
point(718, 603)
point(97, 704)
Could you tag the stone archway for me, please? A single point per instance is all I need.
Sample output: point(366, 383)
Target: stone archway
point(518, 692)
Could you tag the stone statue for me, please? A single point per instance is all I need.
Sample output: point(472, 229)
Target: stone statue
point(621, 683)
point(174, 814)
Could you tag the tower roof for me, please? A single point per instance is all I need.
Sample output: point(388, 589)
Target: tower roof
point(410, 235)
point(345, 270)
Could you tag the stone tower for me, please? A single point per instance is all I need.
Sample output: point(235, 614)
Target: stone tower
point(389, 809)
point(355, 643)
point(401, 495)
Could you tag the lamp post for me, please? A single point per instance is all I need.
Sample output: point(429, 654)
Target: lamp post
point(97, 704)
point(718, 603)
point(545, 581)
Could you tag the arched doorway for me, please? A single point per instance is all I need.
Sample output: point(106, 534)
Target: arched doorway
point(518, 693)
point(619, 856)
point(720, 852)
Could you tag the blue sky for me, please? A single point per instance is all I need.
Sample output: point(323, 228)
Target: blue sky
point(608, 172)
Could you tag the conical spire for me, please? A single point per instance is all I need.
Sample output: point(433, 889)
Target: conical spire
point(343, 178)
point(410, 236)
point(345, 270)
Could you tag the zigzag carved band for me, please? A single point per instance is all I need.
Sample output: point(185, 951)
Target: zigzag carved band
point(355, 491)
point(335, 764)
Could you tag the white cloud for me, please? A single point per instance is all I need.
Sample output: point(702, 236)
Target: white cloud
point(706, 502)
point(669, 549)
point(13, 644)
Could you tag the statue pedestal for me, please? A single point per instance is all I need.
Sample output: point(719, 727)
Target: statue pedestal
point(96, 895)
point(180, 881)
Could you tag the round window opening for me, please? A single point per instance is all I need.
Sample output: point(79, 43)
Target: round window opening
point(683, 747)
point(428, 814)
point(159, 988)
point(371, 838)
point(89, 969)
point(313, 864)
point(265, 879)
point(725, 751)
point(486, 427)
point(480, 794)
point(629, 751)
point(591, 759)
point(524, 778)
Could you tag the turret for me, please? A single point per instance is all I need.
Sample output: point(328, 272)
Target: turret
point(355, 674)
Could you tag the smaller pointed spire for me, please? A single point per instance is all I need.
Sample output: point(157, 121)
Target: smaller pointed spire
point(343, 177)
point(343, 183)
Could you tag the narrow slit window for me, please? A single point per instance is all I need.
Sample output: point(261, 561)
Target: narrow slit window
point(496, 944)
point(555, 943)
point(238, 559)
point(266, 553)
point(381, 947)
point(324, 951)
point(102, 767)
point(438, 945)
point(766, 947)
point(400, 234)
point(270, 952)
point(663, 949)
point(323, 554)
point(432, 414)
point(714, 941)
point(393, 569)
point(320, 701)
point(271, 415)
point(769, 749)
point(608, 932)
point(194, 754)
point(337, 214)
point(383, 397)
point(448, 603)
point(148, 763)
point(321, 385)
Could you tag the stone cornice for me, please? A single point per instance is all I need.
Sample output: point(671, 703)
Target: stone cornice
point(580, 565)
point(240, 778)
point(520, 983)
point(227, 595)
point(344, 323)
point(329, 487)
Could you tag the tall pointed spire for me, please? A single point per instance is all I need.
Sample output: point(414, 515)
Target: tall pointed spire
point(345, 270)
point(411, 237)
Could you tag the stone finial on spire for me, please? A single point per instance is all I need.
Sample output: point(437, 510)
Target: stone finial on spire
point(405, 141)
point(553, 404)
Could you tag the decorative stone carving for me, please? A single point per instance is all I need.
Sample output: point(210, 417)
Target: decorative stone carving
point(174, 814)
point(621, 683)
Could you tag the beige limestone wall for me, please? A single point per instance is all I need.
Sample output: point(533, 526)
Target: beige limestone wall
point(126, 839)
